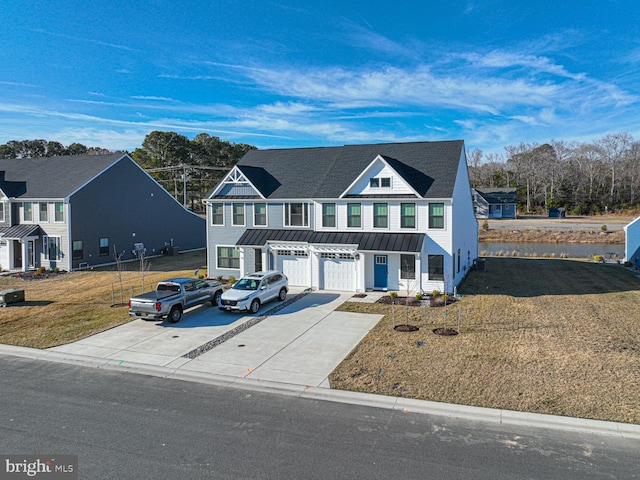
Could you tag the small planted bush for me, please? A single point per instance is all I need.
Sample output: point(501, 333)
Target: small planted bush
point(598, 258)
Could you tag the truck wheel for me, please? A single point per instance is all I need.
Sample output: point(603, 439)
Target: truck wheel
point(175, 315)
point(255, 306)
point(282, 295)
point(216, 298)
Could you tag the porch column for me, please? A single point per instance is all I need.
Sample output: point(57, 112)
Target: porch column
point(25, 260)
point(243, 268)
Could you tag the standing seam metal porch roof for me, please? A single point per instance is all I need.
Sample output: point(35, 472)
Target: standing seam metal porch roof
point(366, 241)
point(327, 172)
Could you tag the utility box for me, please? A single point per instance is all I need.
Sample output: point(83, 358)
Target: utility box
point(11, 296)
point(480, 264)
point(173, 251)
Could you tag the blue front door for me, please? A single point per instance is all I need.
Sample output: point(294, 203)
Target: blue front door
point(380, 272)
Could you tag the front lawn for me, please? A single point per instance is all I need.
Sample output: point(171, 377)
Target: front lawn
point(548, 336)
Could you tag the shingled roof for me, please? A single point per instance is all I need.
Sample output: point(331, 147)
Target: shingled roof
point(500, 195)
point(327, 172)
point(51, 177)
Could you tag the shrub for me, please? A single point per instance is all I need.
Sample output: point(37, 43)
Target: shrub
point(598, 258)
point(393, 294)
point(232, 280)
point(603, 228)
point(418, 296)
point(435, 293)
point(219, 278)
point(485, 225)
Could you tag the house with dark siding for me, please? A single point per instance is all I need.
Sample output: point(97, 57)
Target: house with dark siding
point(495, 202)
point(75, 212)
point(352, 218)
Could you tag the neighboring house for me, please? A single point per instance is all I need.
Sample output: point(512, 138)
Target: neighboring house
point(632, 242)
point(352, 218)
point(494, 202)
point(71, 212)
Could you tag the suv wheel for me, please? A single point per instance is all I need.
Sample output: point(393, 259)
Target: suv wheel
point(255, 306)
point(282, 295)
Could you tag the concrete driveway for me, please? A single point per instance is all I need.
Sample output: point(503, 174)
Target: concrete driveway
point(299, 342)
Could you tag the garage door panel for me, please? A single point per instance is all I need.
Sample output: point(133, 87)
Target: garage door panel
point(296, 268)
point(339, 273)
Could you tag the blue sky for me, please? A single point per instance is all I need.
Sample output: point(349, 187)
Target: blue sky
point(297, 74)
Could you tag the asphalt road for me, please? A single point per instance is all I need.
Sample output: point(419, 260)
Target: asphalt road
point(130, 426)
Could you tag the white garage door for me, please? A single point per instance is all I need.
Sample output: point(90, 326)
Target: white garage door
point(295, 265)
point(339, 272)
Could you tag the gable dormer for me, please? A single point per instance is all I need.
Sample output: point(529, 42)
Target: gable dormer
point(379, 178)
point(236, 184)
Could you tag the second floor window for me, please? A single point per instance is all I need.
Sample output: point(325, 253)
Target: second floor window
point(408, 215)
point(436, 215)
point(328, 214)
point(1, 212)
point(237, 217)
point(58, 208)
point(217, 214)
point(27, 212)
point(380, 215)
point(260, 214)
point(354, 219)
point(44, 212)
point(296, 214)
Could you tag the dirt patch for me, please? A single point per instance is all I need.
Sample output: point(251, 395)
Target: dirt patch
point(406, 328)
point(401, 301)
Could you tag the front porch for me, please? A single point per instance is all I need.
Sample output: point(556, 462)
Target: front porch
point(19, 247)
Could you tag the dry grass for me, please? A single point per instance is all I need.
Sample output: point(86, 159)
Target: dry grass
point(72, 306)
point(549, 336)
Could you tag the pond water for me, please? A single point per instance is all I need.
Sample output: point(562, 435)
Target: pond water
point(565, 250)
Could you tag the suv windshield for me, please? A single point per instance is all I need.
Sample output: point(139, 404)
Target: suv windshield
point(246, 284)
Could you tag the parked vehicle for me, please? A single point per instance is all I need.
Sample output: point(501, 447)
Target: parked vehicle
point(253, 290)
point(172, 297)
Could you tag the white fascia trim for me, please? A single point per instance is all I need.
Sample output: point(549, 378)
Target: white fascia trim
point(364, 172)
point(224, 181)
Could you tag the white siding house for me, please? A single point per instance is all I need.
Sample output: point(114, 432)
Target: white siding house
point(353, 218)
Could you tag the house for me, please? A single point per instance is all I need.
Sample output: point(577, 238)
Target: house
point(355, 218)
point(494, 202)
point(632, 242)
point(73, 212)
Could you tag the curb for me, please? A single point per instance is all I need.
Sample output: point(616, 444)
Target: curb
point(406, 405)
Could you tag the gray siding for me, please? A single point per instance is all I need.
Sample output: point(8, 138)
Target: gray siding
point(127, 206)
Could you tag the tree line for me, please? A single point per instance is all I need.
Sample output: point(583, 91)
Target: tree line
point(188, 168)
point(585, 178)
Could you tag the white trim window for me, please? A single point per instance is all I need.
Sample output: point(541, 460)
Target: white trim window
point(329, 215)
point(237, 214)
point(43, 212)
point(228, 257)
point(27, 212)
point(436, 215)
point(407, 215)
point(296, 214)
point(380, 215)
point(217, 214)
point(52, 248)
point(259, 214)
point(354, 215)
point(1, 212)
point(58, 208)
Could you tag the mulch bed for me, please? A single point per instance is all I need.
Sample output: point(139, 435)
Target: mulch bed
point(34, 275)
point(402, 301)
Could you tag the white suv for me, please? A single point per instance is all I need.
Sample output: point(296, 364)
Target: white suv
point(253, 290)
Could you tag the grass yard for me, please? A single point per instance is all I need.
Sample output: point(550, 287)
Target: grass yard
point(539, 335)
point(71, 306)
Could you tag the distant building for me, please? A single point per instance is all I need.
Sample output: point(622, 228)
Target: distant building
point(494, 202)
point(632, 242)
point(71, 212)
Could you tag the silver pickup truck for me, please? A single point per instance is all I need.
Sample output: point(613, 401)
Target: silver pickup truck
point(172, 297)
